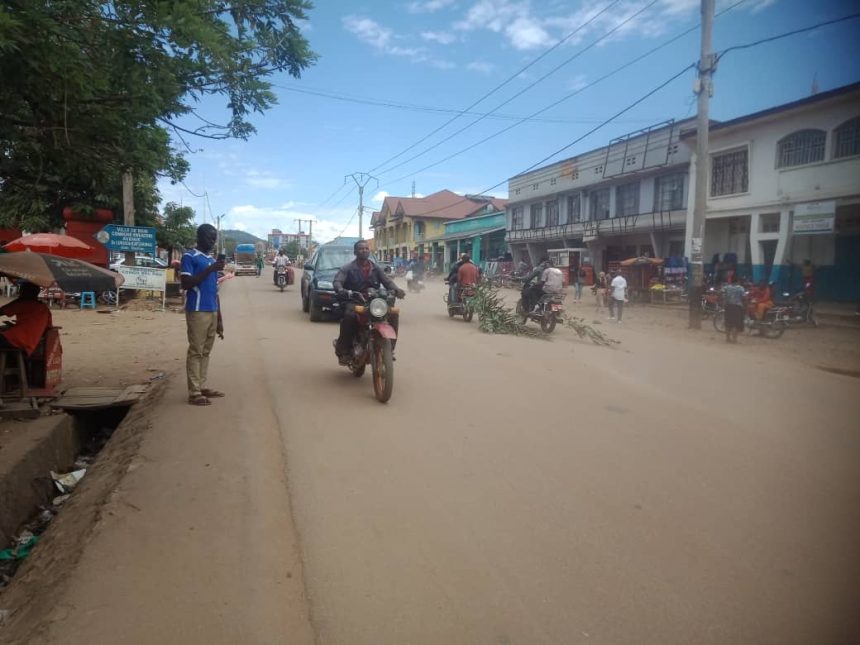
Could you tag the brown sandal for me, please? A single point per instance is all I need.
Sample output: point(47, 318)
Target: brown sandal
point(213, 394)
point(199, 400)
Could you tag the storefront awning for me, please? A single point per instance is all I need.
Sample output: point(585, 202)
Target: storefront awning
point(466, 235)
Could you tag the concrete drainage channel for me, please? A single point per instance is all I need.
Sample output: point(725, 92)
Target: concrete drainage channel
point(39, 473)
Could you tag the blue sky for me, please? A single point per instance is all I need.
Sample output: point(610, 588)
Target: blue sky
point(425, 58)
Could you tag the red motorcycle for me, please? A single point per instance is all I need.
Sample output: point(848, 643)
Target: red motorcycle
point(373, 340)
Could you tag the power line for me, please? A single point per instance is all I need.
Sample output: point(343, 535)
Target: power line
point(629, 107)
point(568, 96)
point(429, 108)
point(530, 86)
point(496, 88)
point(794, 32)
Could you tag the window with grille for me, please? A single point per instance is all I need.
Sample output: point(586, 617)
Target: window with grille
point(669, 192)
point(730, 172)
point(600, 204)
point(801, 147)
point(627, 199)
point(517, 220)
point(847, 139)
point(573, 209)
point(537, 215)
point(552, 213)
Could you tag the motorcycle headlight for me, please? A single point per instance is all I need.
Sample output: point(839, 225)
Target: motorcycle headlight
point(378, 308)
point(324, 284)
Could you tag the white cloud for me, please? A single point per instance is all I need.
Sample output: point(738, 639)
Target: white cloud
point(379, 37)
point(379, 197)
point(526, 27)
point(260, 220)
point(442, 64)
point(266, 180)
point(481, 66)
point(578, 82)
point(428, 6)
point(240, 226)
point(441, 37)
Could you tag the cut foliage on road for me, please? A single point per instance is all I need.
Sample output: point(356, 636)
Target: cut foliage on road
point(584, 330)
point(496, 318)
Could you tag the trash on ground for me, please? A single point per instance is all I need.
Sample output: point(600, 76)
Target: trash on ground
point(59, 500)
point(67, 482)
point(21, 551)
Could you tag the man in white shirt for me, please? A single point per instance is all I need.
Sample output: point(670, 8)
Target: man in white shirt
point(618, 287)
point(553, 280)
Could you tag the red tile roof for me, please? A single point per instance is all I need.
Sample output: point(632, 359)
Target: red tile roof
point(444, 204)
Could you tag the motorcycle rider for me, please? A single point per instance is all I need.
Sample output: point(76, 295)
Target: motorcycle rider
point(357, 277)
point(532, 293)
point(281, 260)
point(451, 280)
point(468, 274)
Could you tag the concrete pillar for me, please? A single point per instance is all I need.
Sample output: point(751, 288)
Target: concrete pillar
point(476, 249)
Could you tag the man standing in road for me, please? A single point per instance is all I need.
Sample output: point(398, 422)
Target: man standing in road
point(618, 297)
point(733, 298)
point(199, 276)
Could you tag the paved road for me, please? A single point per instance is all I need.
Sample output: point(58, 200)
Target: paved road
point(518, 491)
point(512, 491)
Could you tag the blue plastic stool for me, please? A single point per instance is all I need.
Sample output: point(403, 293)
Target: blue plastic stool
point(88, 299)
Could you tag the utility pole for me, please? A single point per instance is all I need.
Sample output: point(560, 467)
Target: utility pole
point(361, 180)
point(220, 241)
point(704, 89)
point(310, 231)
point(128, 209)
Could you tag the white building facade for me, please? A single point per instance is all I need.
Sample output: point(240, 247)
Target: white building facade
point(784, 187)
point(627, 199)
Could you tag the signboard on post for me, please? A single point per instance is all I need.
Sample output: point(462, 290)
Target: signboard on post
point(134, 239)
point(144, 279)
point(814, 218)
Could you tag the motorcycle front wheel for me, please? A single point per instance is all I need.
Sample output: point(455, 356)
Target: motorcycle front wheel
point(720, 321)
point(382, 367)
point(772, 330)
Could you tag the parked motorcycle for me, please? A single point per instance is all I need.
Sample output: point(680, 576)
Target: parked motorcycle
point(548, 312)
point(799, 309)
point(773, 325)
point(464, 306)
point(373, 340)
point(712, 302)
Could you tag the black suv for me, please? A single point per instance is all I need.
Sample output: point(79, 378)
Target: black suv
point(317, 288)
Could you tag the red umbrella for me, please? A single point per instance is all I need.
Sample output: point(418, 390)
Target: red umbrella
point(50, 243)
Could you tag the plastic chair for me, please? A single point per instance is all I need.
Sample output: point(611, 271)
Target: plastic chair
point(88, 299)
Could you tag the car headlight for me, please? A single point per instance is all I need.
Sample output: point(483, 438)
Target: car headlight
point(324, 284)
point(378, 308)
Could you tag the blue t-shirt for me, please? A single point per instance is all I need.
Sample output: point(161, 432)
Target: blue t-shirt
point(203, 297)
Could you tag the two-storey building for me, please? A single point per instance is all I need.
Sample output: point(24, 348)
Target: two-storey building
point(784, 187)
point(407, 224)
point(627, 199)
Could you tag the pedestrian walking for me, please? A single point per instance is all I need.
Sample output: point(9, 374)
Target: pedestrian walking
point(733, 299)
point(618, 296)
point(599, 290)
point(199, 276)
point(258, 264)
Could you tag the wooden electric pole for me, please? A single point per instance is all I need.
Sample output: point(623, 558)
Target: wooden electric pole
point(128, 209)
point(704, 90)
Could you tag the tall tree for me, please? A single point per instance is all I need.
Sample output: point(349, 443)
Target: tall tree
point(176, 230)
point(92, 88)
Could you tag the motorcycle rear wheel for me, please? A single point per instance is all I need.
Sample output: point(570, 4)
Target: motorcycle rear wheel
point(521, 312)
point(467, 314)
point(720, 321)
point(451, 312)
point(382, 368)
point(547, 323)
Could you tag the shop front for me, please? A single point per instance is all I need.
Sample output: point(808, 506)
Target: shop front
point(482, 237)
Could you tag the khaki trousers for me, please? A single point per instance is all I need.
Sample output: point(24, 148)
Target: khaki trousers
point(201, 337)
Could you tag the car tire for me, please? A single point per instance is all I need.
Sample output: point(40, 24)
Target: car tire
point(316, 313)
point(305, 304)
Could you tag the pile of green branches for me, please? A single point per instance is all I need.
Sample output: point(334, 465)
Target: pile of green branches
point(494, 317)
point(584, 330)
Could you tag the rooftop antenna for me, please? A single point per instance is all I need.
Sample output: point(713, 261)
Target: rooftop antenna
point(413, 189)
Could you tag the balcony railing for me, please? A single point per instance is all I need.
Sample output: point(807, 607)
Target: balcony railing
point(655, 221)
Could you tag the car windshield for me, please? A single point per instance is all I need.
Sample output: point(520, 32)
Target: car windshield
point(334, 258)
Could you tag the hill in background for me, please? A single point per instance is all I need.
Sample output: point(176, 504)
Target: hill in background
point(241, 237)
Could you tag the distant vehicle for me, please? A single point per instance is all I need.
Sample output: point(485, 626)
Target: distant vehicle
point(317, 284)
point(246, 256)
point(141, 261)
